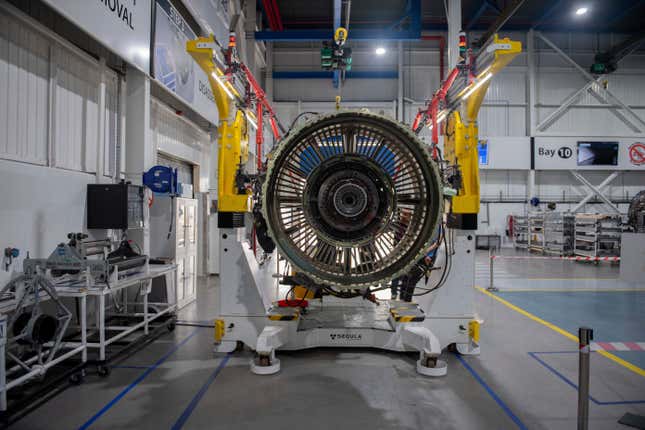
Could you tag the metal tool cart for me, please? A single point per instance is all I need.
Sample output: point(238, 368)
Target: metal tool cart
point(536, 231)
point(598, 235)
point(520, 231)
point(558, 233)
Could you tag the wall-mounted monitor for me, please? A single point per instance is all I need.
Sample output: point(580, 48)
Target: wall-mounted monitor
point(597, 153)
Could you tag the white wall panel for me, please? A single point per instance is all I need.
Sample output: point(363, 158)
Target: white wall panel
point(40, 205)
point(420, 83)
point(180, 138)
point(76, 112)
point(323, 89)
point(111, 131)
point(24, 93)
point(507, 86)
point(502, 119)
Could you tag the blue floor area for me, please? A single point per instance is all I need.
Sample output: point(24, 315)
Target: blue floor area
point(637, 358)
point(614, 316)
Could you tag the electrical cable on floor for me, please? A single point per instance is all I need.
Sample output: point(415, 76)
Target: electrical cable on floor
point(190, 324)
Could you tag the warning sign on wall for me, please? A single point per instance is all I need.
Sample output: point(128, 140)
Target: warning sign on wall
point(637, 153)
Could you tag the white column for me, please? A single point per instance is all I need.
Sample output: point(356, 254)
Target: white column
point(250, 17)
point(531, 100)
point(100, 148)
point(139, 150)
point(454, 27)
point(530, 184)
point(531, 93)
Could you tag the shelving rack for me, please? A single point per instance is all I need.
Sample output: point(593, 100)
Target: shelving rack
point(536, 241)
point(597, 235)
point(520, 231)
point(558, 233)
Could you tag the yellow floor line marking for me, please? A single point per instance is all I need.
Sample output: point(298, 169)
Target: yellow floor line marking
point(571, 279)
point(563, 332)
point(570, 290)
point(551, 279)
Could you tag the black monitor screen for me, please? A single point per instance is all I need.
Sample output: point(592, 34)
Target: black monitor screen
point(597, 153)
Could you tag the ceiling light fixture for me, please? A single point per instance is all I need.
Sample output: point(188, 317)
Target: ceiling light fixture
point(380, 50)
point(582, 10)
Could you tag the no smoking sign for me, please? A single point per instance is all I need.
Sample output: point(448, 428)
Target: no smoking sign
point(637, 154)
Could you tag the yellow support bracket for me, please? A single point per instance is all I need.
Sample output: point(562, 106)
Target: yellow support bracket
point(233, 134)
point(201, 49)
point(461, 132)
point(220, 330)
point(473, 330)
point(505, 51)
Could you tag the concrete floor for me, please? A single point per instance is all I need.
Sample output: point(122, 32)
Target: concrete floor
point(524, 378)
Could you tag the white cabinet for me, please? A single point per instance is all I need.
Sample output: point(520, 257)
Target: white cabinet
point(173, 238)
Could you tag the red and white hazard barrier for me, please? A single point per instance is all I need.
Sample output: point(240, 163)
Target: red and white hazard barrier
point(543, 257)
point(618, 346)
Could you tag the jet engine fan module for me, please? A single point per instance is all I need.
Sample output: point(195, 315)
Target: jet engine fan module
point(352, 199)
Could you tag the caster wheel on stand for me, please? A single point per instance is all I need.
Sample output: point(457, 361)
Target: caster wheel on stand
point(103, 370)
point(431, 366)
point(265, 366)
point(77, 378)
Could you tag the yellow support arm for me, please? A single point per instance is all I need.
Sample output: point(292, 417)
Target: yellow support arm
point(233, 137)
point(461, 132)
point(201, 49)
point(460, 148)
point(510, 49)
point(233, 150)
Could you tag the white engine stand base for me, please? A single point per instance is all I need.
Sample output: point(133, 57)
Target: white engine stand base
point(441, 369)
point(265, 370)
point(468, 349)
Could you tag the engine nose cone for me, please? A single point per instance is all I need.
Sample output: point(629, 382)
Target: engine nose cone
point(350, 199)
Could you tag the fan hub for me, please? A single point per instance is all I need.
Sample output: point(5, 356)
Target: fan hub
point(346, 199)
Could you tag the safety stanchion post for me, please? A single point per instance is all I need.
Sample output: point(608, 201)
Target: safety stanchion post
point(585, 336)
point(491, 259)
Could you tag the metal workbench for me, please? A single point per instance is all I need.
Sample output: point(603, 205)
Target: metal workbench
point(103, 333)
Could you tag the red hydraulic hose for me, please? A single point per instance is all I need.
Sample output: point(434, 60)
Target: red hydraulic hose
point(274, 127)
point(259, 137)
point(269, 11)
point(276, 14)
